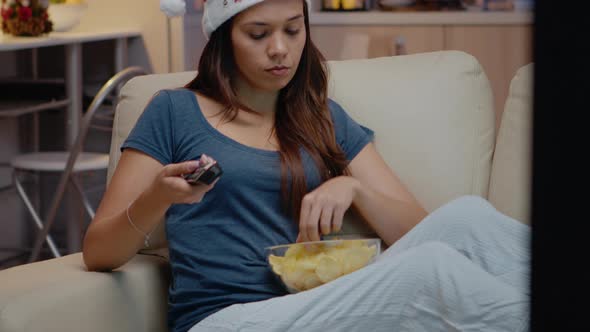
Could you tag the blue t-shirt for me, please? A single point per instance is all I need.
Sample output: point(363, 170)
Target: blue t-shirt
point(217, 247)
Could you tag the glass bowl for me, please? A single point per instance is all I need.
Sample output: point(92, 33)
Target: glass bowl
point(305, 265)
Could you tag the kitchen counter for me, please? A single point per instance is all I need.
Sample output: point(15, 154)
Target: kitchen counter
point(12, 43)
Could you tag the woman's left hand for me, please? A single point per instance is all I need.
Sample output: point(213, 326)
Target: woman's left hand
point(322, 210)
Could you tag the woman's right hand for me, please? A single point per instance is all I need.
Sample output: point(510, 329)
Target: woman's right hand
point(141, 189)
point(171, 187)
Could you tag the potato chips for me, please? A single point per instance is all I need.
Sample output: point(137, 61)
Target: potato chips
point(307, 266)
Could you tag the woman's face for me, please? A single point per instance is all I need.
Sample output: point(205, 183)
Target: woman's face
point(268, 39)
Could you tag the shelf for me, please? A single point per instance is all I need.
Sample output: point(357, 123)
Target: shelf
point(11, 43)
point(19, 80)
point(421, 18)
point(16, 108)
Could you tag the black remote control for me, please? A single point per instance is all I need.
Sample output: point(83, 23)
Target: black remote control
point(205, 174)
point(211, 174)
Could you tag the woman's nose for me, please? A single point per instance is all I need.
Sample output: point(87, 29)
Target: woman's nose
point(277, 46)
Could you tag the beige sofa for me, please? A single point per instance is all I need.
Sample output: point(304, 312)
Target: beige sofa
point(434, 123)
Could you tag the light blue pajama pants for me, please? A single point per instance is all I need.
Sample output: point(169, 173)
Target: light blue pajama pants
point(465, 267)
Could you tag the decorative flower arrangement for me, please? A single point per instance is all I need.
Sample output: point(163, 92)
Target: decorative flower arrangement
point(25, 17)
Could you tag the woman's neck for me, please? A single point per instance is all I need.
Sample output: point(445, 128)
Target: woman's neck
point(263, 102)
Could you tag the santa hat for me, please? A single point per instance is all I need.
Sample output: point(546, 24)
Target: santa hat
point(215, 13)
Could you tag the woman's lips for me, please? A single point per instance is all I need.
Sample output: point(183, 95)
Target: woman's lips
point(278, 71)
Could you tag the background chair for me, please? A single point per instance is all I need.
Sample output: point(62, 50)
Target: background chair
point(69, 164)
point(433, 118)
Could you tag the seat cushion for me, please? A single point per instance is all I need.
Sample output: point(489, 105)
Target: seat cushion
point(56, 161)
point(61, 295)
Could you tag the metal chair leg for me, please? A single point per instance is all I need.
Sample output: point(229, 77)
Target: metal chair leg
point(51, 214)
point(34, 215)
point(85, 202)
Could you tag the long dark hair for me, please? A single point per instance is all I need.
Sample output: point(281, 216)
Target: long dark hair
point(302, 115)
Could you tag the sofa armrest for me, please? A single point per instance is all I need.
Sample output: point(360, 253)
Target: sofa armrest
point(61, 295)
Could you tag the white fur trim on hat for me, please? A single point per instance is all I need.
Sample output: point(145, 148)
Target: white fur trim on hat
point(216, 12)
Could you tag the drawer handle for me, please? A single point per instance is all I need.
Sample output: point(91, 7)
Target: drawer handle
point(399, 46)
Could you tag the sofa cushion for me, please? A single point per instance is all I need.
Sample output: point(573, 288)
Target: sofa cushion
point(433, 118)
point(510, 183)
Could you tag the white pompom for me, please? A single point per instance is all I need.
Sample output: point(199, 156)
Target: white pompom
point(173, 7)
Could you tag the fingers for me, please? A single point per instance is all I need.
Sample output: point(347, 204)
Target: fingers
point(313, 216)
point(207, 161)
point(320, 216)
point(312, 229)
point(179, 189)
point(209, 187)
point(187, 166)
point(181, 168)
point(326, 220)
point(199, 190)
point(303, 218)
point(337, 219)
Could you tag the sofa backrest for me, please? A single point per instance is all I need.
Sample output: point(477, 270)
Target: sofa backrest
point(432, 114)
point(433, 118)
point(510, 182)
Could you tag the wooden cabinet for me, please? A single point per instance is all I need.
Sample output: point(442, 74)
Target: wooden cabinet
point(342, 42)
point(501, 50)
point(501, 42)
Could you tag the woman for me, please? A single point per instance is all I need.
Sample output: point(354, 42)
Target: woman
point(293, 163)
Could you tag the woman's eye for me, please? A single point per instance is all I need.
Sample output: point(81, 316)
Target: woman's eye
point(292, 32)
point(257, 36)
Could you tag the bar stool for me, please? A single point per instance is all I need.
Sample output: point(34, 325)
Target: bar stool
point(68, 163)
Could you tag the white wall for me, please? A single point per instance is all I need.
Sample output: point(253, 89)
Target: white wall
point(144, 15)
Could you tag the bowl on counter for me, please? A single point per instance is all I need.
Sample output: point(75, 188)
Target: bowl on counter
point(66, 16)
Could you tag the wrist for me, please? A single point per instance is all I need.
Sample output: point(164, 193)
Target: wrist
point(356, 187)
point(153, 201)
point(156, 197)
point(145, 213)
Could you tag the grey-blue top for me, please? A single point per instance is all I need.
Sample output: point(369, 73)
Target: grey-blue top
point(217, 246)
